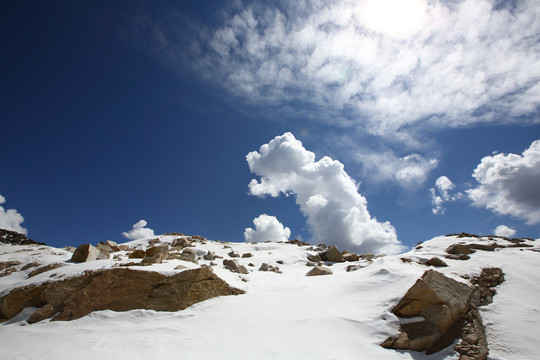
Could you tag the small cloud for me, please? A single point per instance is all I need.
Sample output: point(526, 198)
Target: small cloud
point(267, 228)
point(139, 231)
point(10, 219)
point(441, 194)
point(504, 231)
point(508, 184)
point(336, 213)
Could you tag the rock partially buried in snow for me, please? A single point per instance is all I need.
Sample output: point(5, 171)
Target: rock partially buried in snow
point(436, 262)
point(319, 270)
point(87, 252)
point(234, 266)
point(332, 255)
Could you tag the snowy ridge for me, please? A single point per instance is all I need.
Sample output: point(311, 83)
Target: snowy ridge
point(286, 315)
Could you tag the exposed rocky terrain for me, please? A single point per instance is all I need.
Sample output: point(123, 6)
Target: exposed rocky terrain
point(439, 299)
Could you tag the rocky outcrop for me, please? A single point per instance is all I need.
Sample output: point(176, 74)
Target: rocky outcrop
point(319, 270)
point(117, 290)
point(449, 310)
point(156, 254)
point(87, 252)
point(137, 254)
point(15, 238)
point(45, 268)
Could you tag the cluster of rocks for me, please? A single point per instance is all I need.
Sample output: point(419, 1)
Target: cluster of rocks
point(15, 238)
point(332, 255)
point(269, 267)
point(114, 289)
point(447, 310)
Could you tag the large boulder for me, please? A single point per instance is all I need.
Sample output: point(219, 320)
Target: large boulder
point(441, 301)
point(156, 254)
point(87, 252)
point(117, 290)
point(332, 255)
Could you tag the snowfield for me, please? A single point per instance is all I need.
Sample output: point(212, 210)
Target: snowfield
point(285, 315)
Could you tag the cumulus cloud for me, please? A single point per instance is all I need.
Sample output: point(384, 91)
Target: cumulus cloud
point(409, 171)
point(336, 213)
point(139, 231)
point(382, 65)
point(267, 228)
point(442, 193)
point(508, 184)
point(10, 219)
point(504, 231)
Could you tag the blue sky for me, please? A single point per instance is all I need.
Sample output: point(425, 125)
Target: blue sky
point(113, 113)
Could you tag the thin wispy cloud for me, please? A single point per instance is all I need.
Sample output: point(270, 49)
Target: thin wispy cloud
point(336, 212)
point(508, 184)
point(383, 65)
point(11, 219)
point(442, 193)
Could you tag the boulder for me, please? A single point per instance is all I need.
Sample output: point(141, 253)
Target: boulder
point(436, 262)
point(234, 255)
point(367, 256)
point(180, 242)
point(111, 244)
point(209, 256)
point(351, 257)
point(264, 267)
point(441, 301)
point(87, 252)
point(104, 248)
point(247, 255)
point(117, 290)
point(137, 254)
point(319, 270)
point(234, 266)
point(314, 258)
point(459, 249)
point(332, 254)
point(156, 254)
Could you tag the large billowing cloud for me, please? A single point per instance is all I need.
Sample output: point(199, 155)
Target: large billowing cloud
point(10, 219)
point(139, 231)
point(508, 184)
point(336, 213)
point(505, 231)
point(267, 228)
point(382, 65)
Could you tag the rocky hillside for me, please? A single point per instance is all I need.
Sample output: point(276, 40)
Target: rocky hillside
point(459, 296)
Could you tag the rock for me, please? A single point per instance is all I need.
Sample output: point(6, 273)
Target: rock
point(280, 262)
point(234, 266)
point(332, 254)
point(116, 290)
point(264, 267)
point(319, 270)
point(351, 257)
point(436, 262)
point(314, 258)
point(297, 242)
point(123, 247)
point(180, 242)
point(45, 269)
point(69, 248)
point(87, 252)
point(441, 301)
point(137, 254)
point(180, 267)
point(234, 255)
point(15, 238)
point(113, 245)
point(104, 248)
point(459, 249)
point(209, 256)
point(156, 254)
point(309, 263)
point(367, 256)
point(247, 255)
point(353, 267)
point(486, 247)
point(458, 257)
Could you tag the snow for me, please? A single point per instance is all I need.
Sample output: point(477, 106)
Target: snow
point(341, 316)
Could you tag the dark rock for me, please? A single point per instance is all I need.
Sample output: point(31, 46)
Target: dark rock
point(458, 257)
point(351, 257)
point(156, 254)
point(180, 242)
point(486, 247)
point(15, 238)
point(264, 267)
point(332, 254)
point(353, 268)
point(234, 255)
point(209, 256)
point(45, 269)
point(315, 258)
point(137, 254)
point(234, 266)
point(247, 255)
point(459, 249)
point(297, 242)
point(436, 262)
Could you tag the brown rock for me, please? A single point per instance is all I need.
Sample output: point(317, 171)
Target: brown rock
point(137, 254)
point(351, 257)
point(247, 255)
point(87, 252)
point(234, 266)
point(233, 254)
point(332, 254)
point(459, 249)
point(45, 269)
point(436, 262)
point(117, 290)
point(319, 270)
point(314, 258)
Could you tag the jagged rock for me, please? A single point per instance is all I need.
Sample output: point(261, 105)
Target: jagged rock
point(104, 248)
point(332, 254)
point(15, 238)
point(314, 257)
point(436, 262)
point(234, 266)
point(87, 252)
point(117, 290)
point(45, 269)
point(137, 254)
point(180, 242)
point(156, 254)
point(351, 257)
point(441, 301)
point(319, 270)
point(459, 249)
point(113, 246)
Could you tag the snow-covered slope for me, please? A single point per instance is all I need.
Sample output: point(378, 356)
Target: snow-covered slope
point(284, 315)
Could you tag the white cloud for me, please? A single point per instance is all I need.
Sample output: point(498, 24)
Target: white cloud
point(267, 228)
point(504, 231)
point(10, 219)
point(508, 184)
point(139, 231)
point(382, 65)
point(410, 171)
point(441, 193)
point(336, 213)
